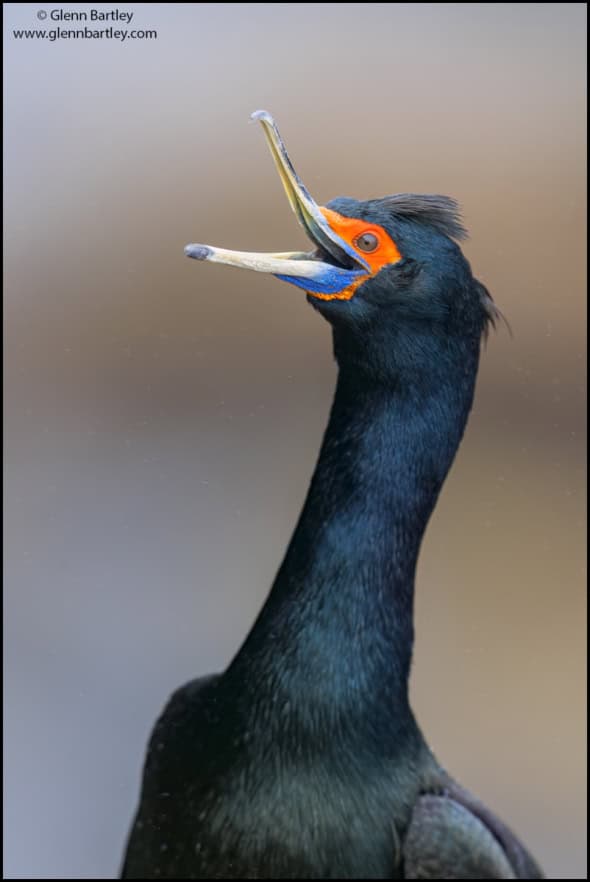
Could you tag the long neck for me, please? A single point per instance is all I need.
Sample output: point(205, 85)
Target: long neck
point(335, 635)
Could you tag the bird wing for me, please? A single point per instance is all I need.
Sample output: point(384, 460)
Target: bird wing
point(139, 858)
point(453, 836)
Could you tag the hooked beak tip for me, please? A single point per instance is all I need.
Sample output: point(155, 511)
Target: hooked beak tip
point(262, 116)
point(198, 252)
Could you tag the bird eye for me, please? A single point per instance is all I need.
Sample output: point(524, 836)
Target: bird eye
point(366, 241)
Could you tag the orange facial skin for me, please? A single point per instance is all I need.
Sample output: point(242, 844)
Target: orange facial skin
point(349, 229)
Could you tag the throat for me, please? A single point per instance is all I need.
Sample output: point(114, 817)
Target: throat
point(335, 636)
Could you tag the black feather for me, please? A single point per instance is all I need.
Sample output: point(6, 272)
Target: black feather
point(442, 213)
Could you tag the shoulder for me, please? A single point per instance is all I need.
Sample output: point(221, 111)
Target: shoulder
point(188, 696)
point(453, 835)
point(178, 723)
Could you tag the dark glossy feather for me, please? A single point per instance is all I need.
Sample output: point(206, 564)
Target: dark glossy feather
point(442, 213)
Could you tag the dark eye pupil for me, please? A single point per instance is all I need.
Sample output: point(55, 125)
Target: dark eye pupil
point(367, 242)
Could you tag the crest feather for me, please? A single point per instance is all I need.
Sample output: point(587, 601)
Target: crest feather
point(440, 212)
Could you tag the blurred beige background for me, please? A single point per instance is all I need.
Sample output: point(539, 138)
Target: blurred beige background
point(163, 417)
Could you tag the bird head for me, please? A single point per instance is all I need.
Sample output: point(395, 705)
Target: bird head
point(379, 269)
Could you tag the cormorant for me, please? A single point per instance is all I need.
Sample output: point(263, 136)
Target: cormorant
point(303, 760)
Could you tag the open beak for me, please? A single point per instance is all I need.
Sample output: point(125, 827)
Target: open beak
point(332, 268)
